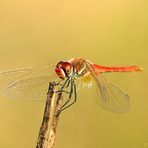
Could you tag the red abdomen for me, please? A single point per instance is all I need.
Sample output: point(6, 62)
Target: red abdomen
point(100, 69)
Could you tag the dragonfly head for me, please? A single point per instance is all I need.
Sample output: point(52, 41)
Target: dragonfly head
point(64, 69)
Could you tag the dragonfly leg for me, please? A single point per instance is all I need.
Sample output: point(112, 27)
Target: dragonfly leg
point(73, 88)
point(68, 99)
point(66, 82)
point(63, 85)
point(70, 95)
point(59, 83)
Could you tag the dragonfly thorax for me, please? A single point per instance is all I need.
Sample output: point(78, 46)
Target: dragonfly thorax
point(64, 69)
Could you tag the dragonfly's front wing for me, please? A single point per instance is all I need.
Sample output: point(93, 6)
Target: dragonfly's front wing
point(27, 83)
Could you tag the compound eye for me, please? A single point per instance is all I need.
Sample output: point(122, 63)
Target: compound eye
point(59, 65)
point(60, 72)
point(67, 67)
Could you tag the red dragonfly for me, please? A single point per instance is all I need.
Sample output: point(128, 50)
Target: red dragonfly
point(32, 83)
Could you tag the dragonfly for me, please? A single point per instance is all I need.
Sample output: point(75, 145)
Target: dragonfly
point(70, 75)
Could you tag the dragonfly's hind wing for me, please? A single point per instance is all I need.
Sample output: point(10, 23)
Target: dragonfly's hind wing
point(110, 97)
point(27, 83)
point(28, 89)
point(7, 77)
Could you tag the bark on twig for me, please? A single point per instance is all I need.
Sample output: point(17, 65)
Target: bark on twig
point(47, 133)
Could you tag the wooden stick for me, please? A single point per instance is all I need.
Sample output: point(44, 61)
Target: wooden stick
point(47, 133)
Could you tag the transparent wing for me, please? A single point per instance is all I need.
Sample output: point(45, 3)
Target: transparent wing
point(7, 77)
point(28, 89)
point(28, 84)
point(110, 96)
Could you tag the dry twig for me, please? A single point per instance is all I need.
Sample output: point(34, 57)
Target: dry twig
point(47, 133)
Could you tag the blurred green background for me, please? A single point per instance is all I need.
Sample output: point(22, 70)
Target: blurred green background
point(34, 33)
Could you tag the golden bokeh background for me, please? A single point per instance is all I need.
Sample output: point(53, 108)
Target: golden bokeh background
point(34, 33)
